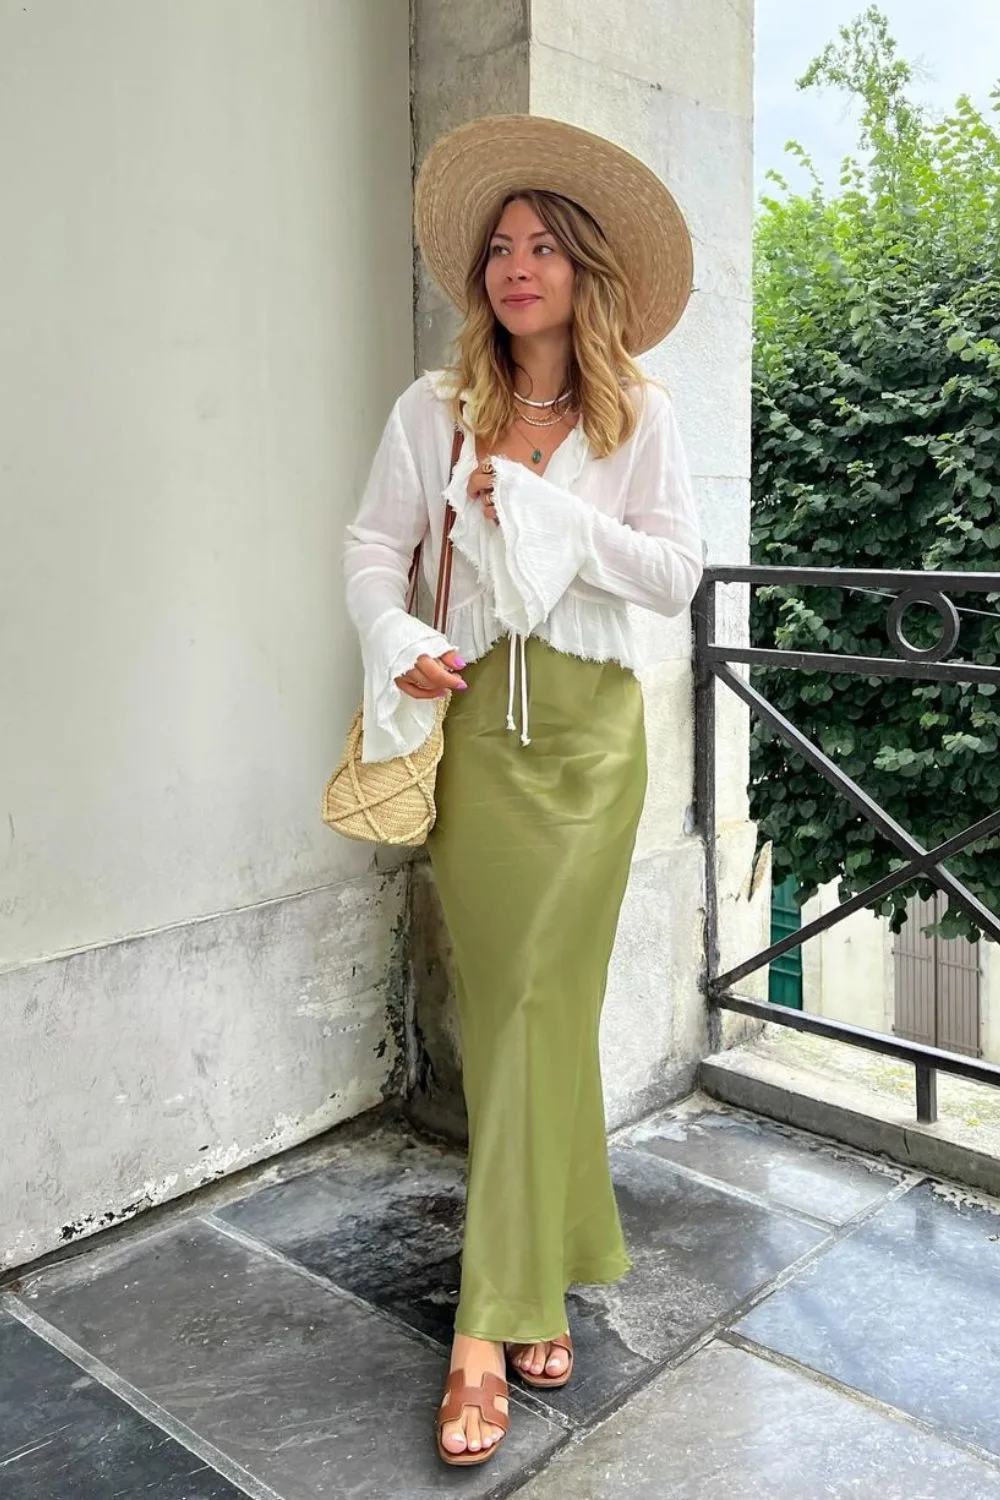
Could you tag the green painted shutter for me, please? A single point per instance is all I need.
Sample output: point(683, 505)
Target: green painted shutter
point(785, 974)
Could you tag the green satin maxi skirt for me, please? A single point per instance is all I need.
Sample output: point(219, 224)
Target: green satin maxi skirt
point(531, 855)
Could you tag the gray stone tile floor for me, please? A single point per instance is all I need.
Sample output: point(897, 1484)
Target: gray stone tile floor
point(801, 1321)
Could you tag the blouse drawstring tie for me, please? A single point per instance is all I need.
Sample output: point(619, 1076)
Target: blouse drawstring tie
point(515, 642)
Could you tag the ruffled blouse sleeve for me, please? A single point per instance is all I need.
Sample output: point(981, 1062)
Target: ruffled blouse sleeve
point(549, 536)
point(380, 543)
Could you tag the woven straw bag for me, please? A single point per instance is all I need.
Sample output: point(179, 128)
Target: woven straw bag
point(392, 801)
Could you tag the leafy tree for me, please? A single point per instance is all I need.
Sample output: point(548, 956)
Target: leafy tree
point(876, 431)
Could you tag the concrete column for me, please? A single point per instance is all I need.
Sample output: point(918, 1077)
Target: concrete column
point(672, 81)
point(466, 60)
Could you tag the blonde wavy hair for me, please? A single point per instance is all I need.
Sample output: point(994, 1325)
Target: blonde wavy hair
point(603, 378)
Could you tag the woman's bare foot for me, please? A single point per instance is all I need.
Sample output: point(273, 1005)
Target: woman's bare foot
point(538, 1359)
point(477, 1357)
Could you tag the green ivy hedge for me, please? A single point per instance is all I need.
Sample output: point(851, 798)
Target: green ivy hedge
point(876, 435)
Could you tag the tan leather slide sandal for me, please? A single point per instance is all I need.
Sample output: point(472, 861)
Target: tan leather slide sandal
point(544, 1382)
point(485, 1395)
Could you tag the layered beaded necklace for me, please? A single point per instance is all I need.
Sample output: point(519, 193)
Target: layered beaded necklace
point(551, 421)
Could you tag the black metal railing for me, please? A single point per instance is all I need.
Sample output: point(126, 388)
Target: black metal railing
point(714, 663)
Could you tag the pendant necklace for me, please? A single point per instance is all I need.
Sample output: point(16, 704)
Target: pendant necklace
point(553, 421)
point(536, 453)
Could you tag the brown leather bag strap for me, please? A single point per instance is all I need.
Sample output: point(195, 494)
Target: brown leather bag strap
point(443, 591)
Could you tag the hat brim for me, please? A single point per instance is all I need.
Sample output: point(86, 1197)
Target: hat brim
point(467, 174)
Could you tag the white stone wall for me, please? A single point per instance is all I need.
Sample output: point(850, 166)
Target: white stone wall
point(848, 973)
point(989, 1002)
point(205, 298)
point(671, 80)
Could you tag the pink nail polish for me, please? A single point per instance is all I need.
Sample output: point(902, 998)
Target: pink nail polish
point(460, 687)
point(459, 663)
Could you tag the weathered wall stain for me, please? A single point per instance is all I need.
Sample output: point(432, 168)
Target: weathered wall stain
point(152, 1066)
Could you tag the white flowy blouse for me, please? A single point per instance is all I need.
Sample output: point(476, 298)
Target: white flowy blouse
point(573, 548)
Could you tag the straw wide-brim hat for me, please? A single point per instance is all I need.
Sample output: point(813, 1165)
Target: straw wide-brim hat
point(468, 173)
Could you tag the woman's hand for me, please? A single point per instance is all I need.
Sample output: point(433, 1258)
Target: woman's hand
point(433, 677)
point(481, 483)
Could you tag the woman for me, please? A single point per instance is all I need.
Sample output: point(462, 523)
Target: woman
point(570, 498)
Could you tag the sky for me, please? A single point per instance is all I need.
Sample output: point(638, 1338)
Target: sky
point(955, 45)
